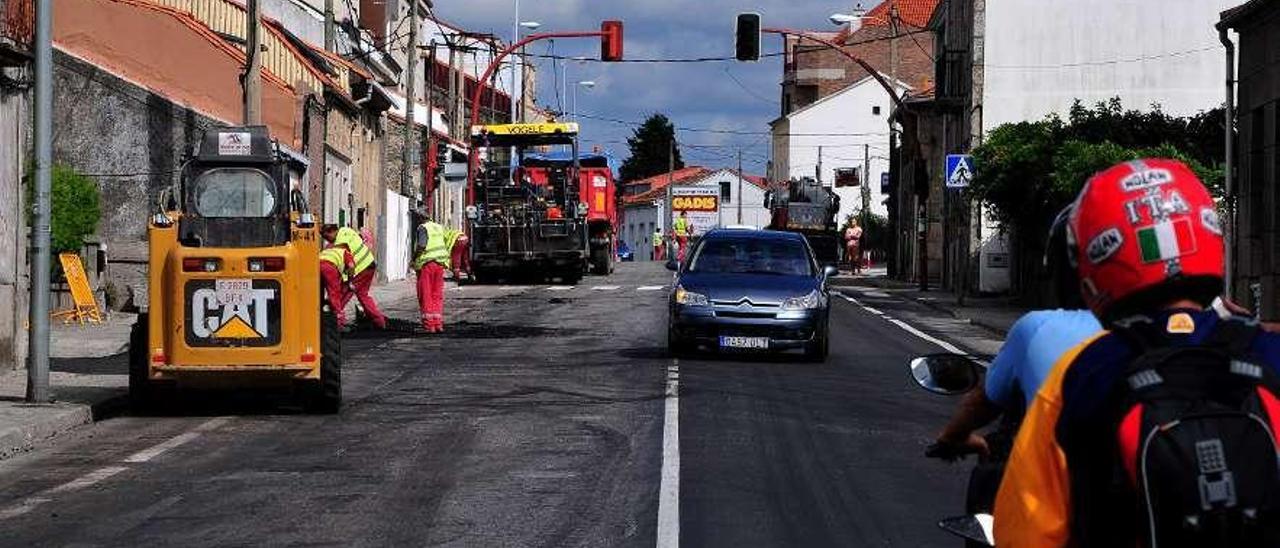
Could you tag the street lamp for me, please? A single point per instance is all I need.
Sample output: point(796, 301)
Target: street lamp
point(518, 67)
point(564, 81)
point(584, 84)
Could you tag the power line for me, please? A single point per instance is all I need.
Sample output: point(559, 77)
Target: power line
point(732, 131)
point(651, 59)
point(1105, 62)
point(746, 89)
point(926, 52)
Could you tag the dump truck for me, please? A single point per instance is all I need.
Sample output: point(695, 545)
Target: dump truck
point(526, 222)
point(597, 189)
point(234, 286)
point(806, 207)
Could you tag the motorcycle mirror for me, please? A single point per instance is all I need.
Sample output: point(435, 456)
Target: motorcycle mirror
point(830, 271)
point(946, 374)
point(975, 527)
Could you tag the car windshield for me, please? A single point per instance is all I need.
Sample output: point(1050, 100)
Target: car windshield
point(237, 192)
point(752, 256)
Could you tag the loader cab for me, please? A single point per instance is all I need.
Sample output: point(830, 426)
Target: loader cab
point(235, 192)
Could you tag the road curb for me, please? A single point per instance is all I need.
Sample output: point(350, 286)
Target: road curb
point(45, 422)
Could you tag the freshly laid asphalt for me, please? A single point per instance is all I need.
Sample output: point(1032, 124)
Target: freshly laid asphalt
point(536, 419)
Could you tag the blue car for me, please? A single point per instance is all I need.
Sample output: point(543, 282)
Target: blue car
point(750, 290)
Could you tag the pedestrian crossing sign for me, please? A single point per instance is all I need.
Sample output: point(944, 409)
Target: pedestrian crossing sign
point(959, 170)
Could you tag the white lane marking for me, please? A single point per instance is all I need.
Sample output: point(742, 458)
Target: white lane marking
point(669, 488)
point(93, 477)
point(908, 327)
point(651, 288)
point(859, 304)
point(560, 287)
point(159, 448)
point(941, 343)
point(87, 479)
point(605, 287)
point(28, 504)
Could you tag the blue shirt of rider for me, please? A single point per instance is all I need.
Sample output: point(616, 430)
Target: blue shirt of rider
point(1033, 346)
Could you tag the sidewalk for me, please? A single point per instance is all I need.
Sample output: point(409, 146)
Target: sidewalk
point(88, 380)
point(89, 375)
point(994, 313)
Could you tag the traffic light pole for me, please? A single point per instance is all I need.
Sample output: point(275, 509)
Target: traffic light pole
point(897, 98)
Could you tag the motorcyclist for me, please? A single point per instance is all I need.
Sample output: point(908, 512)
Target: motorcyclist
point(1029, 352)
point(1148, 247)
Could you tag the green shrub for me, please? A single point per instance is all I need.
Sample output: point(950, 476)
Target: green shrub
point(75, 208)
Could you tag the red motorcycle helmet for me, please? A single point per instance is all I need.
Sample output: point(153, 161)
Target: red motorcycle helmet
point(1143, 234)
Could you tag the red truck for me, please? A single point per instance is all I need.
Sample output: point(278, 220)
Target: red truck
point(597, 191)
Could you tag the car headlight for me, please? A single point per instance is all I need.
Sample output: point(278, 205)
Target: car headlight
point(807, 302)
point(690, 298)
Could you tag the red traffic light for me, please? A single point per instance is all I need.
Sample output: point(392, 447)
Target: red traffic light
point(611, 41)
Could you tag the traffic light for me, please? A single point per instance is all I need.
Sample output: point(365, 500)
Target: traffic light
point(611, 41)
point(747, 33)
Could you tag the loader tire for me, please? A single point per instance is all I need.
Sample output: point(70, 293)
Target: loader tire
point(324, 396)
point(145, 395)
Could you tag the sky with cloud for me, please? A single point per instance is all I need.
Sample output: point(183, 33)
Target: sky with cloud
point(725, 96)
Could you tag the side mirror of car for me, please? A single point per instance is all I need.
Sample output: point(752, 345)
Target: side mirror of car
point(830, 271)
point(946, 374)
point(672, 265)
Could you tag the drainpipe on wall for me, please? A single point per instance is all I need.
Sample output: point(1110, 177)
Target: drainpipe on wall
point(1229, 227)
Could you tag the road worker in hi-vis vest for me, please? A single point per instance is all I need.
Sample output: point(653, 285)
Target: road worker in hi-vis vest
point(432, 251)
point(335, 262)
point(361, 273)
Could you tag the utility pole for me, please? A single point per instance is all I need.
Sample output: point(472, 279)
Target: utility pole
point(410, 147)
point(515, 63)
point(667, 217)
point(893, 43)
point(38, 336)
point(817, 170)
point(330, 32)
point(429, 175)
point(253, 66)
point(739, 186)
point(866, 184)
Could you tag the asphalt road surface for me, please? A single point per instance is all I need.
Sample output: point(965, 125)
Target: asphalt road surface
point(543, 416)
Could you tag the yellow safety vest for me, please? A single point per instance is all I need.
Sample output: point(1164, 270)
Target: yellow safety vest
point(681, 226)
point(437, 248)
point(334, 256)
point(360, 252)
point(657, 238)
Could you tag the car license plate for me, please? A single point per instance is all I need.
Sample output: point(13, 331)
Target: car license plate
point(233, 292)
point(744, 342)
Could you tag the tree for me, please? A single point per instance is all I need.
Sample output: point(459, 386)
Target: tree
point(649, 146)
point(1028, 171)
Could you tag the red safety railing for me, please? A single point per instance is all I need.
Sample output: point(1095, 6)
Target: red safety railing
point(17, 21)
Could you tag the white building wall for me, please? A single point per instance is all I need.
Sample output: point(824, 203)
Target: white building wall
point(1041, 55)
point(852, 114)
point(637, 229)
point(639, 221)
point(753, 211)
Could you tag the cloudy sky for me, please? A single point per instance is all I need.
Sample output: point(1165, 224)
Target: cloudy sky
point(721, 96)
